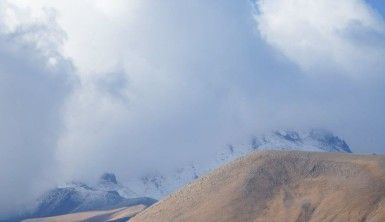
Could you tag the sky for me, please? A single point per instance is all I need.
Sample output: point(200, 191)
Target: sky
point(127, 86)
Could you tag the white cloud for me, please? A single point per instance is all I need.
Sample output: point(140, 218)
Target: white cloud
point(95, 29)
point(173, 92)
point(344, 36)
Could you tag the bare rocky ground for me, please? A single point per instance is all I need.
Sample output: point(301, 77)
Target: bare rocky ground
point(116, 215)
point(281, 186)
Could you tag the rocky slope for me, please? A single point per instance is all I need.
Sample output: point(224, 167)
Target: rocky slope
point(281, 186)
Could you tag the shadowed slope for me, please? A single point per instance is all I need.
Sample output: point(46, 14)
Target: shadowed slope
point(282, 186)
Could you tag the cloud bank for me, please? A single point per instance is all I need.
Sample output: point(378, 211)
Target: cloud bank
point(344, 36)
point(34, 82)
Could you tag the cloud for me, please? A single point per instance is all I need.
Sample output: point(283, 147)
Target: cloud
point(172, 95)
point(34, 81)
point(188, 78)
point(95, 35)
point(176, 80)
point(345, 37)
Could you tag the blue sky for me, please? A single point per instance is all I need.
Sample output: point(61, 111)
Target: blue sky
point(122, 86)
point(378, 5)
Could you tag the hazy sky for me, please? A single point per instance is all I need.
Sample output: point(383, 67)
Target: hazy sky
point(125, 85)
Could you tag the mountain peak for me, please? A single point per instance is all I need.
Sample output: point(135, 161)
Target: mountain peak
point(108, 178)
point(307, 140)
point(77, 197)
point(328, 140)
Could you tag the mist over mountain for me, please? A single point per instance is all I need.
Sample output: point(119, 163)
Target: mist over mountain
point(75, 197)
point(109, 193)
point(158, 184)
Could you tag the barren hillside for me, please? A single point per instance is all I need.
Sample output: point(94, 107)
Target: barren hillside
point(281, 186)
point(121, 214)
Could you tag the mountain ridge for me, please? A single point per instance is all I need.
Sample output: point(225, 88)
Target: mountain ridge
point(109, 193)
point(281, 186)
point(158, 184)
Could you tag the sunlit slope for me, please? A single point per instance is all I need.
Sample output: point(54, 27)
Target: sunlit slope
point(281, 186)
point(121, 214)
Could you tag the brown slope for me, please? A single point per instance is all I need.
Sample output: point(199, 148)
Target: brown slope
point(115, 215)
point(281, 186)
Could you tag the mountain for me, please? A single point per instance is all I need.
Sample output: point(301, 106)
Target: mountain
point(281, 186)
point(108, 182)
point(159, 184)
point(108, 193)
point(314, 139)
point(79, 197)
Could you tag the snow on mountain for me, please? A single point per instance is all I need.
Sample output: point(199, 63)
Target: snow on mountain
point(312, 140)
point(76, 197)
point(108, 182)
point(159, 184)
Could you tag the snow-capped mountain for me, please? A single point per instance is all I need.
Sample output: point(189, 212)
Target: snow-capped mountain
point(77, 197)
point(312, 140)
point(109, 193)
point(159, 184)
point(108, 182)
